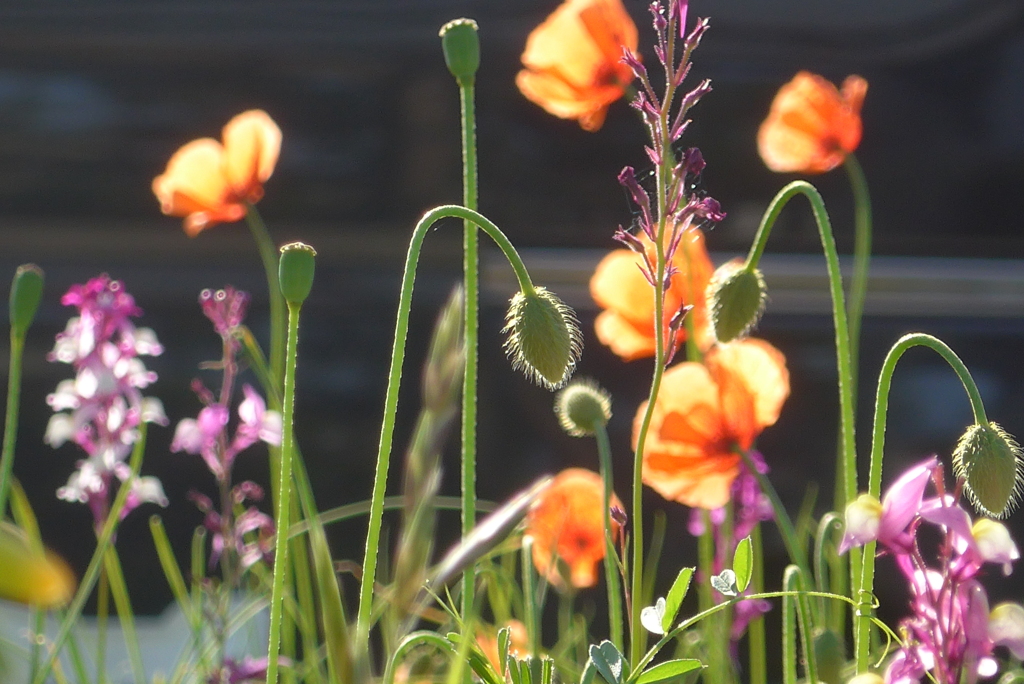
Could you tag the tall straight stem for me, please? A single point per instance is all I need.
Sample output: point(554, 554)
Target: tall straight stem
point(611, 570)
point(284, 498)
point(861, 263)
point(471, 285)
point(11, 421)
point(862, 641)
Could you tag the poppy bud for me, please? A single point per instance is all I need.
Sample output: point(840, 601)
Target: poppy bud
point(581, 407)
point(736, 298)
point(298, 262)
point(26, 291)
point(544, 339)
point(461, 46)
point(989, 462)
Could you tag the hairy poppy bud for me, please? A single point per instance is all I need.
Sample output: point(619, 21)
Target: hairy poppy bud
point(989, 462)
point(26, 291)
point(736, 298)
point(461, 46)
point(544, 339)
point(298, 262)
point(582, 406)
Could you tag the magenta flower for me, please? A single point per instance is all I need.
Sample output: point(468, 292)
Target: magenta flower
point(102, 408)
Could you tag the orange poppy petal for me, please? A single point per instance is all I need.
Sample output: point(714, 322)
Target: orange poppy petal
point(572, 60)
point(622, 337)
point(760, 370)
point(567, 523)
point(193, 180)
point(252, 143)
point(811, 125)
point(700, 483)
point(618, 284)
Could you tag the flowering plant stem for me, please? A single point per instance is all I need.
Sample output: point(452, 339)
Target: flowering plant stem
point(268, 254)
point(119, 590)
point(848, 447)
point(471, 288)
point(611, 570)
point(11, 420)
point(861, 262)
point(363, 618)
point(281, 517)
point(866, 586)
point(92, 572)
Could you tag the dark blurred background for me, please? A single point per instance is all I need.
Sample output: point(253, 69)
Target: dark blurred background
point(96, 95)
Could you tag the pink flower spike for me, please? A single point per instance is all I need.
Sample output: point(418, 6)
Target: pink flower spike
point(257, 422)
point(863, 516)
point(902, 502)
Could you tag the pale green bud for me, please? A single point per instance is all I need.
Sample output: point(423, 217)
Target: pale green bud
point(544, 339)
point(736, 298)
point(582, 406)
point(26, 293)
point(461, 46)
point(298, 263)
point(989, 462)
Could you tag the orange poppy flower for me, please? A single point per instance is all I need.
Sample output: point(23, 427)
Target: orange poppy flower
point(626, 325)
point(704, 414)
point(573, 60)
point(209, 183)
point(567, 524)
point(811, 126)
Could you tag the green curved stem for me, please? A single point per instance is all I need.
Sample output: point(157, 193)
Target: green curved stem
point(673, 633)
point(604, 451)
point(284, 495)
point(861, 261)
point(414, 640)
point(866, 586)
point(471, 287)
point(395, 379)
point(268, 255)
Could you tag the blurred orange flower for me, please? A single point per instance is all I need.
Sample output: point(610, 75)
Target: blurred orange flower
point(573, 60)
point(210, 183)
point(618, 285)
point(811, 126)
point(487, 640)
point(704, 414)
point(567, 524)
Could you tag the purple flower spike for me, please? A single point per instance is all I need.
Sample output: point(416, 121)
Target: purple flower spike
point(225, 308)
point(627, 179)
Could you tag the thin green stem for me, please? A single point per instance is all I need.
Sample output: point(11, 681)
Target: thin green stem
point(611, 572)
point(861, 262)
point(269, 257)
point(102, 620)
point(757, 652)
point(285, 489)
point(11, 421)
point(410, 643)
point(530, 612)
point(395, 378)
point(471, 286)
point(125, 614)
point(866, 585)
point(74, 610)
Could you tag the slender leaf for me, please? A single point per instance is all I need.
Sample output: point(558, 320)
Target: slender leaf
point(743, 563)
point(675, 597)
point(670, 670)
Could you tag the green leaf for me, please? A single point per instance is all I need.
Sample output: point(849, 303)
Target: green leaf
point(504, 641)
point(675, 597)
point(669, 670)
point(609, 662)
point(743, 563)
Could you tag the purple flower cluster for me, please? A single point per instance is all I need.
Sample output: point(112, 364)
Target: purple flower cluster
point(245, 536)
point(950, 633)
point(102, 408)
